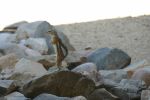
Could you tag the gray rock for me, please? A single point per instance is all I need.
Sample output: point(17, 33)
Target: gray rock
point(129, 89)
point(8, 38)
point(13, 27)
point(7, 48)
point(30, 67)
point(77, 58)
point(145, 95)
point(115, 75)
point(102, 94)
point(109, 58)
point(32, 53)
point(108, 84)
point(88, 69)
point(6, 73)
point(78, 98)
point(34, 29)
point(45, 96)
point(6, 87)
point(63, 83)
point(39, 29)
point(4, 37)
point(46, 60)
point(16, 25)
point(38, 44)
point(15, 96)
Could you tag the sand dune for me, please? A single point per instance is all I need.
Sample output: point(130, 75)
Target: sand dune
point(131, 34)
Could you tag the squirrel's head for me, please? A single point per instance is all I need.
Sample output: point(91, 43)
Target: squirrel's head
point(52, 32)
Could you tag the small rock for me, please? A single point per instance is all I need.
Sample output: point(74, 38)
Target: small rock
point(133, 67)
point(76, 58)
point(4, 37)
point(13, 27)
point(45, 96)
point(78, 98)
point(30, 67)
point(6, 86)
point(21, 79)
point(145, 95)
point(115, 75)
point(15, 96)
point(142, 74)
point(6, 73)
point(7, 48)
point(129, 89)
point(88, 69)
point(31, 52)
point(109, 58)
point(63, 83)
point(102, 94)
point(46, 60)
point(108, 84)
point(8, 61)
point(38, 44)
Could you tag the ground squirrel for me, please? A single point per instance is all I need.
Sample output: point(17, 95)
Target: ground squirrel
point(60, 49)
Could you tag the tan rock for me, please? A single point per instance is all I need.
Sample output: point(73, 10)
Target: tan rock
point(133, 67)
point(30, 67)
point(8, 61)
point(142, 74)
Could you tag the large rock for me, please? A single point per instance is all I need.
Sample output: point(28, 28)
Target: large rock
point(142, 74)
point(88, 69)
point(38, 44)
point(45, 96)
point(145, 95)
point(34, 29)
point(116, 75)
point(135, 66)
point(63, 83)
point(8, 61)
point(15, 96)
point(128, 89)
point(6, 87)
point(109, 58)
point(30, 67)
point(101, 94)
point(40, 29)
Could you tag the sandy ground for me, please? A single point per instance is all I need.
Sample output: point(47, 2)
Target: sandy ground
point(131, 34)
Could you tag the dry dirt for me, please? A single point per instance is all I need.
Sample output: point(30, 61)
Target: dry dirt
point(131, 34)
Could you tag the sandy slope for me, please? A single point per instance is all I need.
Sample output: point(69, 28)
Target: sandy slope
point(129, 34)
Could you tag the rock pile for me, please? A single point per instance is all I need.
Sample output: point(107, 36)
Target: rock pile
point(27, 71)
